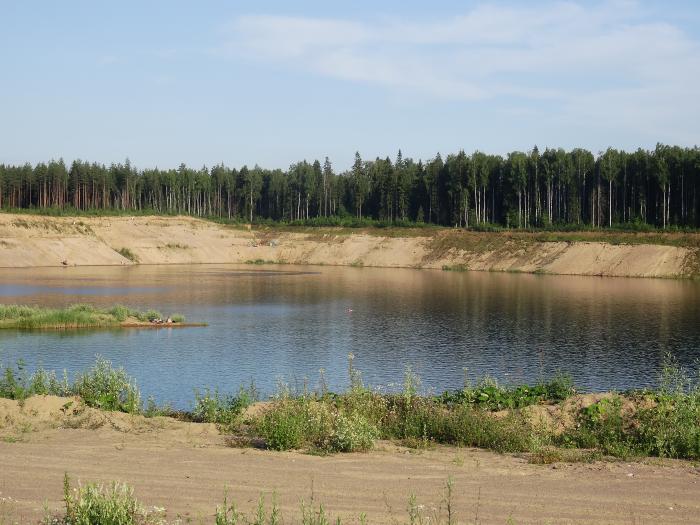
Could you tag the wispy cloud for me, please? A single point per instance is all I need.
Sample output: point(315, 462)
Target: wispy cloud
point(582, 57)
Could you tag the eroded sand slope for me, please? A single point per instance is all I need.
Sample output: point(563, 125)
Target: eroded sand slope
point(27, 241)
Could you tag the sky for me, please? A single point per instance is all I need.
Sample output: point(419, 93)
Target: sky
point(251, 82)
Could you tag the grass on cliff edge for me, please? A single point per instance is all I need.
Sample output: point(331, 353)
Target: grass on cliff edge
point(23, 317)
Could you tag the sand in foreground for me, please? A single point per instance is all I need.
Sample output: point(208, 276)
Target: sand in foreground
point(185, 468)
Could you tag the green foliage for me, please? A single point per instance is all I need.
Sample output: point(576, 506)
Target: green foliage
point(490, 395)
point(484, 192)
point(16, 384)
point(128, 254)
point(153, 409)
point(426, 420)
point(108, 388)
point(352, 433)
point(224, 410)
point(115, 504)
point(94, 504)
point(120, 312)
point(294, 423)
point(150, 315)
point(664, 423)
point(602, 426)
point(73, 316)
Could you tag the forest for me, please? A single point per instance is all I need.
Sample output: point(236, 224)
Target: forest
point(657, 188)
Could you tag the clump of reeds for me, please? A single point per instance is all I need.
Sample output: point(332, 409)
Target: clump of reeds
point(75, 316)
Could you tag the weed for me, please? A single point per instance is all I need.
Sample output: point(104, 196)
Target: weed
point(211, 407)
point(108, 388)
point(128, 254)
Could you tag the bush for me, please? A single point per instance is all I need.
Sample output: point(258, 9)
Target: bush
point(222, 410)
point(352, 433)
point(490, 395)
point(128, 254)
point(94, 504)
point(14, 383)
point(108, 388)
point(294, 423)
point(316, 424)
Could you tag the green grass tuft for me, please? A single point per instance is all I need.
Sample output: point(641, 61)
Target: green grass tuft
point(128, 254)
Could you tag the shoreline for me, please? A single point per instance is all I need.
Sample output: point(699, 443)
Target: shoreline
point(40, 241)
point(61, 328)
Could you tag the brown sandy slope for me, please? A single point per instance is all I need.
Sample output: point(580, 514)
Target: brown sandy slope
point(185, 467)
point(27, 240)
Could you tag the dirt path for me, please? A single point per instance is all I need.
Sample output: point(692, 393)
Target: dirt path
point(28, 240)
point(185, 468)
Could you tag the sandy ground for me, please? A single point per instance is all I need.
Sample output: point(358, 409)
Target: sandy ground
point(185, 468)
point(27, 241)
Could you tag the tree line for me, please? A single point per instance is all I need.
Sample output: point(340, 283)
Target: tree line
point(659, 187)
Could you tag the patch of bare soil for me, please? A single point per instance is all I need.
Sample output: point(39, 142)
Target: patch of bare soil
point(185, 467)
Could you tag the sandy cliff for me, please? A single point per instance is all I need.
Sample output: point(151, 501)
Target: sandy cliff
point(27, 240)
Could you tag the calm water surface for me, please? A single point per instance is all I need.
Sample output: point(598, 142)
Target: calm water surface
point(267, 323)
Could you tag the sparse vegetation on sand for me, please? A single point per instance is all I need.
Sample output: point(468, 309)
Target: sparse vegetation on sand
point(115, 504)
point(128, 254)
point(549, 421)
point(24, 317)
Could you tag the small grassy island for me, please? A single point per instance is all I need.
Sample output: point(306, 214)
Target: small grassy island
point(21, 317)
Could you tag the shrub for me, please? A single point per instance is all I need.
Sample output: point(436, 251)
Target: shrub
point(490, 395)
point(108, 388)
point(14, 383)
point(96, 504)
point(128, 254)
point(352, 433)
point(294, 423)
point(223, 410)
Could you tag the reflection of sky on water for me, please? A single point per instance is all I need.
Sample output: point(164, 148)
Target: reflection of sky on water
point(19, 290)
point(264, 325)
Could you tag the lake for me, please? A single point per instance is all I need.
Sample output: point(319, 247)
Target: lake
point(285, 323)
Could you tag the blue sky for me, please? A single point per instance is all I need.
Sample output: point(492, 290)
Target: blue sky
point(164, 82)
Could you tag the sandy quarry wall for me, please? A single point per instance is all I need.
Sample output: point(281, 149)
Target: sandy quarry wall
point(27, 240)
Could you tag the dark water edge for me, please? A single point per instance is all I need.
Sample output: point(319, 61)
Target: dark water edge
point(286, 323)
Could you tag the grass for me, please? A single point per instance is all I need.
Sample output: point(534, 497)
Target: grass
point(663, 423)
point(488, 394)
point(103, 386)
point(115, 504)
point(75, 316)
point(224, 410)
point(128, 254)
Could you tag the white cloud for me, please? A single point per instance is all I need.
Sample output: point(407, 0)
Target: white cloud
point(612, 60)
